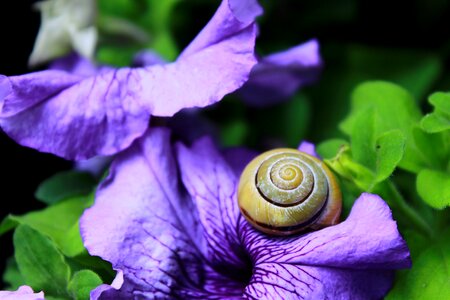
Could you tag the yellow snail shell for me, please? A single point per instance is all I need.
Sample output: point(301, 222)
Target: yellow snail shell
point(285, 191)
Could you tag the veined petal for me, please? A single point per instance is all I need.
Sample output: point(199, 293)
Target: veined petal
point(291, 281)
point(212, 185)
point(139, 221)
point(73, 116)
point(23, 92)
point(278, 76)
point(23, 293)
point(149, 230)
point(368, 239)
point(78, 117)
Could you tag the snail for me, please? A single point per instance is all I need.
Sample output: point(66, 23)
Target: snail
point(285, 191)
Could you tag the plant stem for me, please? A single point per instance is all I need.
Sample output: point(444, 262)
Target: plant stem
point(414, 217)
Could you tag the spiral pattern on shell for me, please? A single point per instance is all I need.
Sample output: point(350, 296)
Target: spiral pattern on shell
point(285, 191)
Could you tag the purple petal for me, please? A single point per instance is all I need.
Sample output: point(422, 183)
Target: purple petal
point(104, 288)
point(23, 92)
point(76, 65)
point(138, 222)
point(212, 185)
point(147, 58)
point(78, 117)
point(23, 293)
point(278, 76)
point(368, 239)
point(232, 16)
point(290, 281)
point(149, 230)
point(95, 165)
point(75, 119)
point(308, 148)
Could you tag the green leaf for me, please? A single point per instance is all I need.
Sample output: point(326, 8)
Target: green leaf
point(441, 101)
point(60, 222)
point(434, 188)
point(389, 147)
point(345, 166)
point(434, 147)
point(394, 105)
point(380, 153)
point(395, 109)
point(439, 120)
point(435, 122)
point(41, 264)
point(362, 141)
point(429, 277)
point(12, 276)
point(65, 185)
point(330, 148)
point(7, 224)
point(82, 283)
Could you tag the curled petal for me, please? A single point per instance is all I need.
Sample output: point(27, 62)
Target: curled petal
point(368, 239)
point(231, 17)
point(23, 293)
point(278, 76)
point(78, 115)
point(99, 115)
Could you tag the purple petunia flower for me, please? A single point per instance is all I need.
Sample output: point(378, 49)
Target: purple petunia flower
point(185, 239)
point(81, 114)
point(23, 293)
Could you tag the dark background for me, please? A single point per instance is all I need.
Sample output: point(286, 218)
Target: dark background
point(395, 24)
point(21, 168)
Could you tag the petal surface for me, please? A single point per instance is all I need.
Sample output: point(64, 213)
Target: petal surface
point(368, 239)
point(149, 230)
point(23, 293)
point(232, 16)
point(138, 221)
point(73, 116)
point(290, 281)
point(278, 76)
point(308, 148)
point(78, 117)
point(77, 65)
point(212, 185)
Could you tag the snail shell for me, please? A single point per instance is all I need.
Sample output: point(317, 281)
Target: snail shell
point(285, 191)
